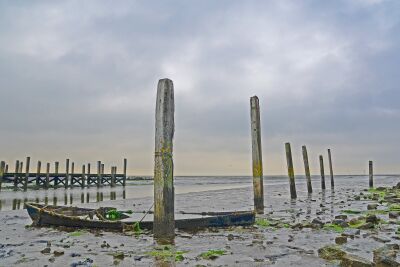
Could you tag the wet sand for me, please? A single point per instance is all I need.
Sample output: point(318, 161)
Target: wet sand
point(249, 246)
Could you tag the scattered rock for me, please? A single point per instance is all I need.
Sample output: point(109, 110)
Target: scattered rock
point(340, 222)
point(386, 256)
point(46, 250)
point(331, 253)
point(366, 226)
point(372, 219)
point(394, 214)
point(341, 217)
point(372, 206)
point(341, 240)
point(351, 232)
point(355, 261)
point(58, 252)
point(119, 255)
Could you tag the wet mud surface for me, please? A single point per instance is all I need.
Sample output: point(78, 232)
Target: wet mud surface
point(290, 233)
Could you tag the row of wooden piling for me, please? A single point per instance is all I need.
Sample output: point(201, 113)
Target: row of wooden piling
point(69, 178)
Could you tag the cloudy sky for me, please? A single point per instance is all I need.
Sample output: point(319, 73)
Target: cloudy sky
point(78, 79)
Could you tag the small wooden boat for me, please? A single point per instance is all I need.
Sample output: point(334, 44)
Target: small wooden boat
point(47, 215)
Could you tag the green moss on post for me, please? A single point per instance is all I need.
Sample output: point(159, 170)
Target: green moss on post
point(293, 193)
point(307, 169)
point(164, 219)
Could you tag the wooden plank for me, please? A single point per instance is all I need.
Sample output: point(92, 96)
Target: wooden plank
point(321, 165)
point(164, 222)
point(371, 174)
point(331, 168)
point(307, 169)
point(292, 183)
point(258, 186)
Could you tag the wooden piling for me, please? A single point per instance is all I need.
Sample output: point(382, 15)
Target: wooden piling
point(113, 172)
point(26, 180)
point(258, 187)
point(21, 166)
point(371, 174)
point(293, 193)
point(307, 169)
point(47, 183)
point(2, 169)
point(16, 177)
point(88, 180)
point(125, 166)
point(66, 173)
point(83, 176)
point(164, 222)
point(39, 166)
point(72, 174)
point(102, 173)
point(98, 173)
point(321, 165)
point(56, 166)
point(331, 168)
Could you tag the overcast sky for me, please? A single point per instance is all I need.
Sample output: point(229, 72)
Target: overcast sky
point(78, 79)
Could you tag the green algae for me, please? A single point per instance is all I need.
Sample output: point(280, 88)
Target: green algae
point(167, 254)
point(212, 254)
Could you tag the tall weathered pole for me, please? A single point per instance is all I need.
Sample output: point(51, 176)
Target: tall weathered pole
point(331, 168)
point(371, 174)
point(321, 165)
point(16, 176)
point(307, 169)
point(257, 155)
point(26, 180)
point(124, 178)
point(293, 193)
point(2, 171)
point(164, 217)
point(66, 173)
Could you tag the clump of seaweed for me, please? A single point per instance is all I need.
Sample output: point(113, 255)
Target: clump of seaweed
point(167, 254)
point(212, 254)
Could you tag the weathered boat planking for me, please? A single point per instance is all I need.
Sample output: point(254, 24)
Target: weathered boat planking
point(42, 215)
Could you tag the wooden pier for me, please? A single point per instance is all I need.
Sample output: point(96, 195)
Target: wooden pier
point(55, 179)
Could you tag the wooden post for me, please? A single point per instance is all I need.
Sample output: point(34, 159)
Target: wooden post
point(16, 177)
point(6, 171)
point(47, 176)
point(88, 181)
point(21, 166)
point(26, 180)
point(2, 169)
point(371, 174)
point(113, 172)
point(83, 176)
point(307, 169)
point(321, 165)
point(164, 217)
point(331, 168)
point(124, 178)
point(66, 173)
point(258, 187)
point(72, 174)
point(98, 173)
point(39, 166)
point(56, 165)
point(102, 173)
point(292, 182)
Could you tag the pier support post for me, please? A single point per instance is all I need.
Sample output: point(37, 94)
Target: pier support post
point(98, 173)
point(16, 177)
point(164, 217)
point(258, 186)
point(83, 176)
point(321, 165)
point(307, 169)
point(293, 193)
point(102, 173)
point(39, 166)
point(88, 180)
point(331, 168)
point(21, 166)
point(124, 178)
point(47, 183)
point(26, 180)
point(6, 171)
point(72, 174)
point(2, 170)
point(56, 179)
point(113, 173)
point(371, 174)
point(66, 181)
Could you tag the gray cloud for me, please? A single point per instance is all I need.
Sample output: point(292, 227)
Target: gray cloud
point(78, 79)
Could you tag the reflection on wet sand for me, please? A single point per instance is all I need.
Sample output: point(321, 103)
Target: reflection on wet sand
point(68, 198)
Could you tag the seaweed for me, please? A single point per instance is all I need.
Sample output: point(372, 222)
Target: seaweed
point(212, 254)
point(167, 254)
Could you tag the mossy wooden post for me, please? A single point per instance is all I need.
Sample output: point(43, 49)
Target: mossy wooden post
point(164, 217)
point(98, 173)
point(2, 169)
point(371, 174)
point(83, 176)
point(26, 180)
point(321, 165)
point(258, 187)
point(66, 181)
point(124, 178)
point(331, 168)
point(307, 169)
point(293, 193)
point(47, 183)
point(16, 177)
point(56, 166)
point(39, 166)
